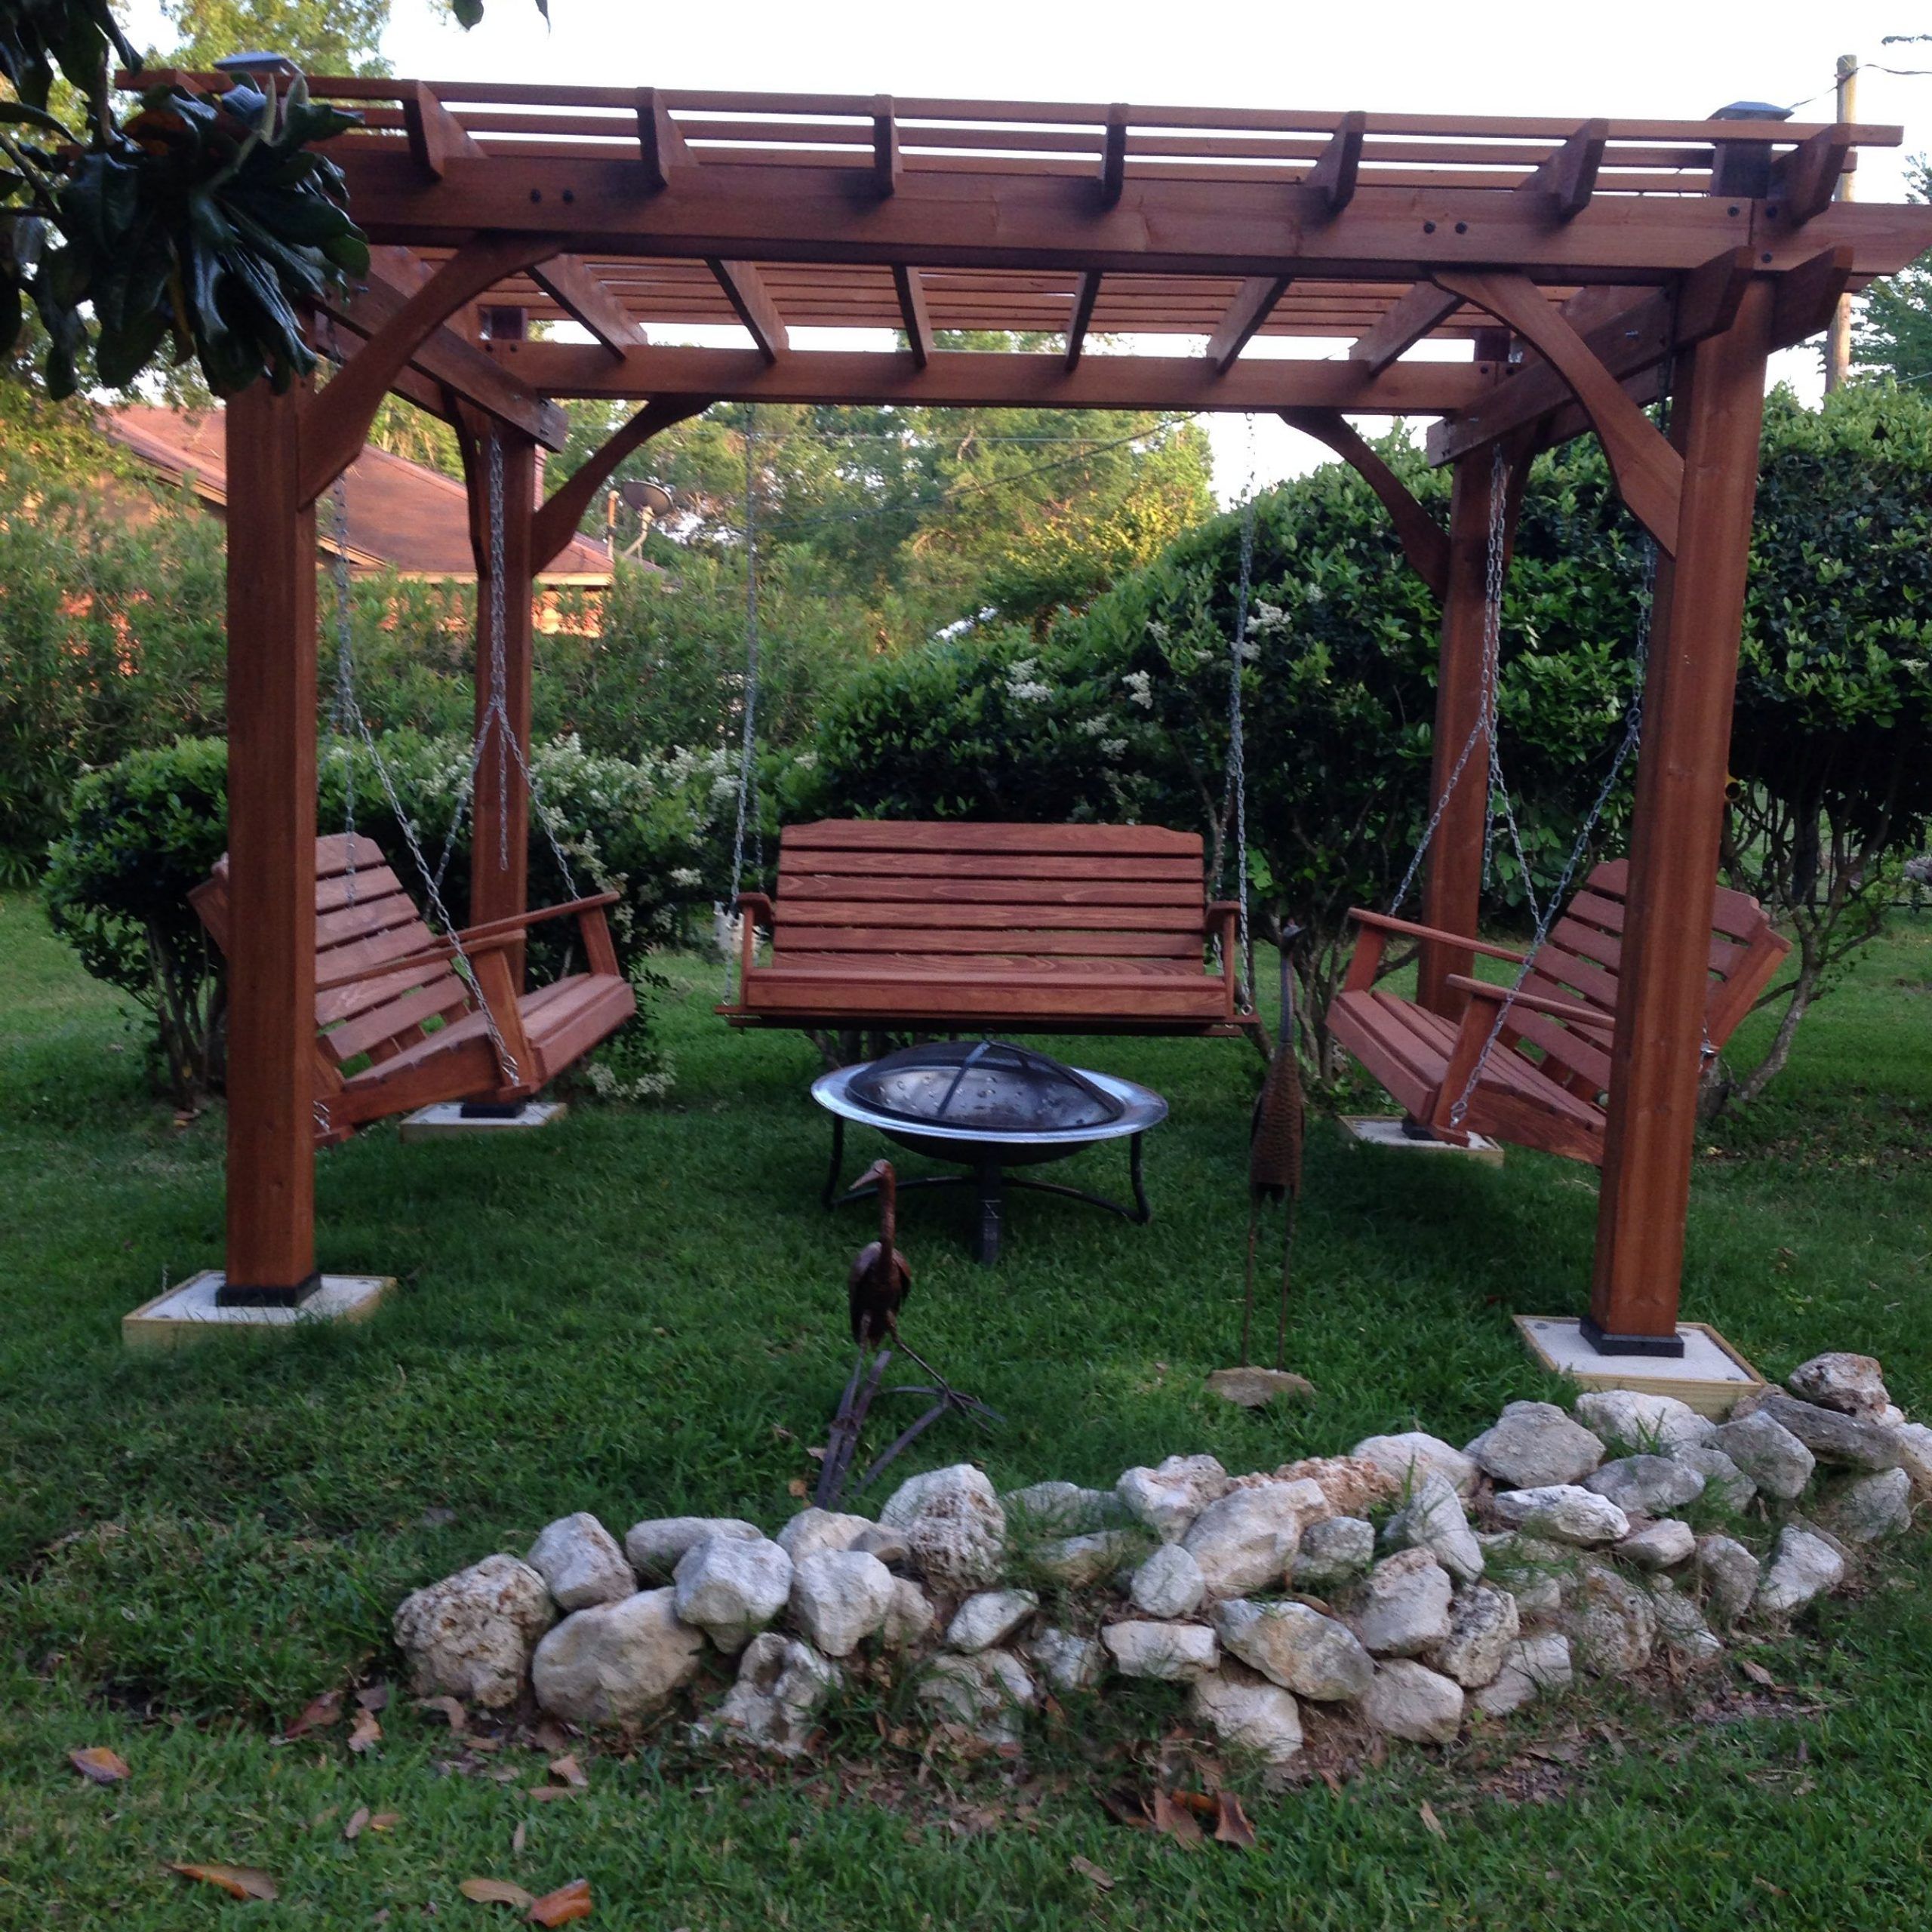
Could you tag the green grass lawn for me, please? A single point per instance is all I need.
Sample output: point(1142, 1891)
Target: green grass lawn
point(641, 1312)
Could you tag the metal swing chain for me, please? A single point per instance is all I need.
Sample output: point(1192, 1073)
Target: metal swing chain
point(1237, 733)
point(748, 739)
point(1633, 732)
point(1491, 708)
point(347, 716)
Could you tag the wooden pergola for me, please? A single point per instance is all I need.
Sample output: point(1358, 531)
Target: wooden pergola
point(1573, 269)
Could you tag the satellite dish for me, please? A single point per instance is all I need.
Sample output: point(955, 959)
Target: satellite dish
point(651, 499)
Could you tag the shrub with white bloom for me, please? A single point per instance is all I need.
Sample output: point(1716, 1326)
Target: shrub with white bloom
point(1140, 688)
point(1113, 747)
point(1023, 685)
point(1264, 616)
point(1094, 727)
point(686, 875)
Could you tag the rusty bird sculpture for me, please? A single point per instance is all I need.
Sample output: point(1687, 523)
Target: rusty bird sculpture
point(1275, 1135)
point(881, 1276)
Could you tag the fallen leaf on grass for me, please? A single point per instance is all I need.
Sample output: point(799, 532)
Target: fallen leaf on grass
point(1174, 1819)
point(519, 1835)
point(544, 1793)
point(99, 1765)
point(385, 1821)
point(453, 1712)
point(566, 1903)
point(1431, 1820)
point(238, 1881)
point(357, 1819)
point(570, 1771)
point(374, 1696)
point(796, 1487)
point(1088, 1869)
point(317, 1714)
point(1231, 1823)
point(1758, 1674)
point(497, 1891)
point(366, 1734)
point(550, 1737)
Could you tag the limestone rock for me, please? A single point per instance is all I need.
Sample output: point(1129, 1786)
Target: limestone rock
point(812, 1530)
point(1853, 1384)
point(470, 1636)
point(656, 1546)
point(1729, 1574)
point(1405, 1608)
point(1768, 1453)
point(1725, 1482)
point(1351, 1485)
point(1849, 1441)
point(1681, 1624)
point(1562, 1512)
point(1168, 1584)
point(1256, 1388)
point(783, 1685)
point(1433, 1519)
point(579, 1559)
point(1659, 1425)
point(1167, 1497)
point(613, 1662)
point(731, 1587)
point(1913, 1440)
point(1802, 1566)
point(888, 1545)
point(1173, 1653)
point(1864, 1508)
point(1484, 1622)
point(1407, 1700)
point(1532, 1445)
point(1660, 1546)
point(1247, 1539)
point(1646, 1484)
point(1413, 1454)
point(1059, 1509)
point(987, 1692)
point(1077, 1562)
point(989, 1617)
point(909, 1617)
point(841, 1597)
point(953, 1524)
point(1296, 1647)
point(1612, 1629)
point(1532, 1665)
point(1333, 1553)
point(1068, 1662)
point(1247, 1712)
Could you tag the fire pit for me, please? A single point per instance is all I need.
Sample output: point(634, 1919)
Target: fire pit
point(987, 1106)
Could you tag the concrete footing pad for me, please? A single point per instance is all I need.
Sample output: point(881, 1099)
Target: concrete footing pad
point(189, 1313)
point(1710, 1375)
point(1386, 1131)
point(445, 1121)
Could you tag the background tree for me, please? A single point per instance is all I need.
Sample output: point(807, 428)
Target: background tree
point(1893, 330)
point(320, 36)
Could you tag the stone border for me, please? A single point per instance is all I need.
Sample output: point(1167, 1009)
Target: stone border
point(1413, 1582)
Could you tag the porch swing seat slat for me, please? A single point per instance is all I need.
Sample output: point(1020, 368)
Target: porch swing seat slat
point(1545, 1082)
point(399, 1027)
point(959, 925)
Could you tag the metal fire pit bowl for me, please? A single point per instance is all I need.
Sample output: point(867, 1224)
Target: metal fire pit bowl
point(988, 1106)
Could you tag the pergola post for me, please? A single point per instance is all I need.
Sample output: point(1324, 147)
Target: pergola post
point(1696, 629)
point(270, 1255)
point(1452, 888)
point(499, 852)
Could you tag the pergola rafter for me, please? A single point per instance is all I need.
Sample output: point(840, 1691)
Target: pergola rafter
point(1521, 280)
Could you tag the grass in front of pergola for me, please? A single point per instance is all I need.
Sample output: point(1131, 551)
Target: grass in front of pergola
point(641, 1313)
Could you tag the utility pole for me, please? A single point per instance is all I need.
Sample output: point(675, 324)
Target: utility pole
point(1838, 344)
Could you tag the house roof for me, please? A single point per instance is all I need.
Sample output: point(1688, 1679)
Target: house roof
point(401, 516)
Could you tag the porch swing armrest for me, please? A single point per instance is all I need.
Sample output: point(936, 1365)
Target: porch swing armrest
point(1490, 994)
point(512, 924)
point(754, 910)
point(1222, 920)
point(1376, 929)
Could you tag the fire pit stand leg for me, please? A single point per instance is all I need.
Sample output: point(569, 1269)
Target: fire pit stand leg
point(829, 1194)
point(990, 1203)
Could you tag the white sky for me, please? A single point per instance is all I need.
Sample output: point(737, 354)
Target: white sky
point(1678, 59)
